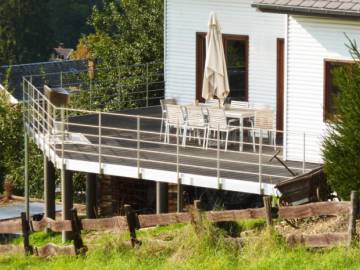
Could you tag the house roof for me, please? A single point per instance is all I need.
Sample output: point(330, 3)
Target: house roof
point(63, 52)
point(339, 8)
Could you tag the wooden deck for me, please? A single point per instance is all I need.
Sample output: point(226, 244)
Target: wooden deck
point(120, 147)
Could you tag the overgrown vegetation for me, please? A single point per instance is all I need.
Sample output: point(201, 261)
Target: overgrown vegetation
point(342, 145)
point(182, 247)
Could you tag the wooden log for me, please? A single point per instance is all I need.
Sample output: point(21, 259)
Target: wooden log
point(231, 215)
point(11, 249)
point(267, 205)
point(318, 240)
point(354, 205)
point(54, 250)
point(55, 226)
point(133, 224)
point(314, 210)
point(11, 226)
point(26, 234)
point(101, 224)
point(163, 219)
point(76, 232)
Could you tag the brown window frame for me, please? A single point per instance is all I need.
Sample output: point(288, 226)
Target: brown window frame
point(201, 55)
point(327, 83)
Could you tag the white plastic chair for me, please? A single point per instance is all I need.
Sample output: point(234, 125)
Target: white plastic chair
point(174, 119)
point(163, 104)
point(195, 121)
point(212, 102)
point(263, 121)
point(217, 122)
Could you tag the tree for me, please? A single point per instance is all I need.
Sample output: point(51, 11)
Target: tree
point(127, 32)
point(12, 150)
point(342, 145)
point(25, 34)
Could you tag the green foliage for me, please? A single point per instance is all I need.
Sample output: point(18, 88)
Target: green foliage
point(25, 34)
point(126, 33)
point(12, 150)
point(181, 248)
point(342, 144)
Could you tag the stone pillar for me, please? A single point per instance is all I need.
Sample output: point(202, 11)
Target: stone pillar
point(162, 197)
point(106, 200)
point(91, 195)
point(49, 188)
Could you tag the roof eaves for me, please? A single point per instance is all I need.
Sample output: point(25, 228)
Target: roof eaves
point(284, 9)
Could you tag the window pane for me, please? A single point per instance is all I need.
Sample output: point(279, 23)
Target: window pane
point(237, 70)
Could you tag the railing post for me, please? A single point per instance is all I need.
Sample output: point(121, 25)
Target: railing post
point(179, 203)
point(260, 160)
point(218, 157)
point(100, 142)
point(304, 152)
point(61, 79)
point(138, 146)
point(147, 84)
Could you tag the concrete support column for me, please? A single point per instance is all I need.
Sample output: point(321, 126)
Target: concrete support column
point(49, 188)
point(91, 195)
point(162, 197)
point(66, 198)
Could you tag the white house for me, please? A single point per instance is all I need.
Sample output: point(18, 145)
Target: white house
point(315, 42)
point(253, 43)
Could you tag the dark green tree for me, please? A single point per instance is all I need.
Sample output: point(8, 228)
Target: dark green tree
point(342, 145)
point(25, 34)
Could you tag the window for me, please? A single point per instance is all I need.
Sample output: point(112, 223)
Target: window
point(331, 91)
point(236, 54)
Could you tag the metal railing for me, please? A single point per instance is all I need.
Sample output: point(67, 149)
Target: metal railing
point(133, 140)
point(132, 86)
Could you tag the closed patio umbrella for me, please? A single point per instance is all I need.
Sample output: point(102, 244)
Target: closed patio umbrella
point(215, 83)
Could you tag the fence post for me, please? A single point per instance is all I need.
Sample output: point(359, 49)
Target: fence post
point(179, 199)
point(147, 84)
point(25, 227)
point(100, 133)
point(267, 205)
point(138, 146)
point(354, 208)
point(218, 158)
point(76, 230)
point(133, 224)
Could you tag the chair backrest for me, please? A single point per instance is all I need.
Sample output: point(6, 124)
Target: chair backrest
point(214, 102)
point(239, 104)
point(174, 114)
point(264, 119)
point(217, 118)
point(195, 116)
point(164, 102)
point(261, 106)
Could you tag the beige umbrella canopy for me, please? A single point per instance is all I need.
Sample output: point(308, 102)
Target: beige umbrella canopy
point(215, 83)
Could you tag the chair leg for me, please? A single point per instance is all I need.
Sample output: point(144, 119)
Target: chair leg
point(204, 137)
point(161, 126)
point(207, 138)
point(226, 140)
point(184, 136)
point(274, 139)
point(253, 139)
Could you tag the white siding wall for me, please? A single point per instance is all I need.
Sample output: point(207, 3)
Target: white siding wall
point(310, 41)
point(186, 17)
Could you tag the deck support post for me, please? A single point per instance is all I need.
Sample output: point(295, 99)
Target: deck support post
point(49, 188)
point(179, 198)
point(91, 195)
point(66, 198)
point(161, 197)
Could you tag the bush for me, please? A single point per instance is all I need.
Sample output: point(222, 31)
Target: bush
point(342, 145)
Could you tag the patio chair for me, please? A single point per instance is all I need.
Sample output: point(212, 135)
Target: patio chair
point(195, 121)
point(212, 102)
point(263, 121)
point(217, 122)
point(163, 104)
point(174, 119)
point(239, 104)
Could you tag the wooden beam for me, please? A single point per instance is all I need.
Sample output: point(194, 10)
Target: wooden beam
point(67, 199)
point(318, 240)
point(91, 195)
point(162, 197)
point(49, 188)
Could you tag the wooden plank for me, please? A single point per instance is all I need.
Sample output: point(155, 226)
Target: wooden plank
point(11, 249)
point(163, 219)
point(318, 240)
point(231, 215)
point(55, 226)
point(12, 226)
point(314, 210)
point(115, 223)
point(54, 250)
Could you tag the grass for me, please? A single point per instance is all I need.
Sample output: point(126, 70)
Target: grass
point(186, 247)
